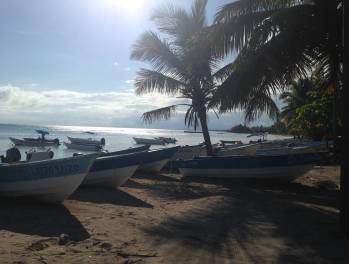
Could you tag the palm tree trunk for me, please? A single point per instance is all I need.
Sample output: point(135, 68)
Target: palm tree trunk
point(344, 181)
point(206, 134)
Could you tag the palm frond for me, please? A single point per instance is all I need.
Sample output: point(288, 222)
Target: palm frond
point(259, 104)
point(161, 113)
point(150, 48)
point(148, 81)
point(243, 7)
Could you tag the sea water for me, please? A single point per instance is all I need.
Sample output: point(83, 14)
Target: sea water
point(116, 138)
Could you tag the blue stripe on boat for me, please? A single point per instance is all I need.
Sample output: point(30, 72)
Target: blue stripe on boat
point(160, 154)
point(32, 171)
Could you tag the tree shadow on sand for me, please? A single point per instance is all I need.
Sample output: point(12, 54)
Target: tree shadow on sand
point(253, 225)
point(108, 196)
point(40, 219)
point(173, 188)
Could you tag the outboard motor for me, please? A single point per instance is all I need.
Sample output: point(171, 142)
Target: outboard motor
point(12, 155)
point(103, 141)
point(39, 155)
point(56, 140)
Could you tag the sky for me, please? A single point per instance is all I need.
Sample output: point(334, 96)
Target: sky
point(67, 62)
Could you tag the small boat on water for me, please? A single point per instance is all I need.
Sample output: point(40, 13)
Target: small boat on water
point(83, 147)
point(41, 141)
point(149, 141)
point(34, 155)
point(48, 180)
point(87, 141)
point(155, 160)
point(168, 140)
point(287, 167)
point(125, 151)
point(113, 171)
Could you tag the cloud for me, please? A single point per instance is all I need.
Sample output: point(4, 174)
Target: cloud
point(116, 63)
point(129, 81)
point(120, 109)
point(127, 69)
point(73, 107)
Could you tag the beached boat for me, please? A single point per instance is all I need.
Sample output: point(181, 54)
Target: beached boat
point(47, 181)
point(286, 167)
point(41, 141)
point(113, 171)
point(155, 160)
point(149, 141)
point(125, 151)
point(83, 147)
point(189, 152)
point(87, 141)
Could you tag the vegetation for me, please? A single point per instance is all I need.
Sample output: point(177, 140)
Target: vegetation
point(182, 65)
point(309, 109)
point(278, 128)
point(277, 42)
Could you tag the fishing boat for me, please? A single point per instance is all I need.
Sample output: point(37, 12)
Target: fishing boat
point(113, 171)
point(231, 142)
point(34, 155)
point(189, 152)
point(168, 140)
point(286, 167)
point(83, 147)
point(87, 141)
point(149, 141)
point(41, 141)
point(47, 181)
point(155, 160)
point(126, 151)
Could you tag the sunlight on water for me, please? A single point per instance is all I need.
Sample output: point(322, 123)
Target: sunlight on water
point(116, 138)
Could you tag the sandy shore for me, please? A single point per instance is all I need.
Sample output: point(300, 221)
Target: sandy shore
point(164, 219)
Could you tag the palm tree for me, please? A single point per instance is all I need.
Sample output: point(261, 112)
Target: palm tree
point(182, 65)
point(279, 41)
point(296, 96)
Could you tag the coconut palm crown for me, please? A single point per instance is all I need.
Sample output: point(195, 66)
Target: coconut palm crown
point(181, 64)
point(277, 42)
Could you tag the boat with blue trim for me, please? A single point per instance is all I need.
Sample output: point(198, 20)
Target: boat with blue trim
point(260, 166)
point(126, 151)
point(46, 180)
point(155, 160)
point(113, 171)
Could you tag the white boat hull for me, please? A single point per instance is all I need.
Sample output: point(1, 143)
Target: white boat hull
point(149, 141)
point(110, 178)
point(83, 147)
point(286, 173)
point(52, 190)
point(155, 166)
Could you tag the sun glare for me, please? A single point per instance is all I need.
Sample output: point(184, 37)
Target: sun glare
point(127, 7)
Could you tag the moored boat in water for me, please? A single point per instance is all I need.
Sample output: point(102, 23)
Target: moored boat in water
point(47, 180)
point(83, 147)
point(149, 141)
point(41, 141)
point(286, 167)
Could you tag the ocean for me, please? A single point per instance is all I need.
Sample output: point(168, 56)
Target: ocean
point(116, 138)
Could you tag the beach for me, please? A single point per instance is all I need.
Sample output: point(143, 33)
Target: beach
point(166, 219)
